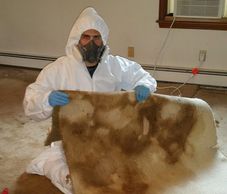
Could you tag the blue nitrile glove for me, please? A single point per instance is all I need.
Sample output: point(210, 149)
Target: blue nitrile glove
point(142, 93)
point(57, 98)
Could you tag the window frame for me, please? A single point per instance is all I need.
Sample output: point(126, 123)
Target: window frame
point(165, 20)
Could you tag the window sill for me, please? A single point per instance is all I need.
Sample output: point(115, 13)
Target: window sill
point(189, 23)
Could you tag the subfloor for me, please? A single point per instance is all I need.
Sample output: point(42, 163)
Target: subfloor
point(22, 139)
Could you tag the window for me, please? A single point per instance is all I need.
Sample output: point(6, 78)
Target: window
point(166, 19)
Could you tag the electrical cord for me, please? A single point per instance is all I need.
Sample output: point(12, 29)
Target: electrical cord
point(195, 70)
point(170, 87)
point(158, 57)
point(163, 46)
point(180, 86)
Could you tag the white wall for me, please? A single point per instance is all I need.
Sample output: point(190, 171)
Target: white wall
point(42, 27)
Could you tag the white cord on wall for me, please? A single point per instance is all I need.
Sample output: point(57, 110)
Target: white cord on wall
point(190, 77)
point(163, 46)
point(158, 57)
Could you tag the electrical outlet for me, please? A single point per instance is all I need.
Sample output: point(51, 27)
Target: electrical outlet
point(130, 51)
point(202, 55)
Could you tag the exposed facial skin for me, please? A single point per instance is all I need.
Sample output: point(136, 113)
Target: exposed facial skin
point(88, 36)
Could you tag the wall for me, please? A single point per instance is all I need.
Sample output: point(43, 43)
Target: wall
point(41, 28)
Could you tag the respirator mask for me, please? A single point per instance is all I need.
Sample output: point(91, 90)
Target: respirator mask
point(91, 52)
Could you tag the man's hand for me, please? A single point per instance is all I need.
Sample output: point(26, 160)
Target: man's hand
point(142, 93)
point(57, 98)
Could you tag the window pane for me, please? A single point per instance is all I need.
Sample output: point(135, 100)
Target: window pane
point(171, 7)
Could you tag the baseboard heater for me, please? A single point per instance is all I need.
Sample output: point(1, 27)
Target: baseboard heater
point(25, 60)
point(171, 74)
point(182, 75)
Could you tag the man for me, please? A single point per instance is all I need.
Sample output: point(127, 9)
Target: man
point(87, 66)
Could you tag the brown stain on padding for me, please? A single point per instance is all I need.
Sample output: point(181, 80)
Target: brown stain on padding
point(175, 141)
point(131, 184)
point(34, 184)
point(54, 134)
point(98, 158)
point(171, 133)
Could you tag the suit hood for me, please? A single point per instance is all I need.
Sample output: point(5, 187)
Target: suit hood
point(88, 19)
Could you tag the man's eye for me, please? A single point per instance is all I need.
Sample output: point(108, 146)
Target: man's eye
point(85, 36)
point(97, 37)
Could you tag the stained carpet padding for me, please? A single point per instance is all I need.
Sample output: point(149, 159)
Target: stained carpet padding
point(114, 145)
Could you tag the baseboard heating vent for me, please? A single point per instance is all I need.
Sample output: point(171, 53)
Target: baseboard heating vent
point(16, 55)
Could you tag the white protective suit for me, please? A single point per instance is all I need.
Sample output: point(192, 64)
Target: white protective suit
point(70, 73)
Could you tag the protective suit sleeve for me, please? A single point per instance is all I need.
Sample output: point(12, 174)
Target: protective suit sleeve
point(132, 75)
point(36, 105)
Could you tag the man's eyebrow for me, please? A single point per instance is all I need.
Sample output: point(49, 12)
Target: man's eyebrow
point(91, 35)
point(85, 35)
